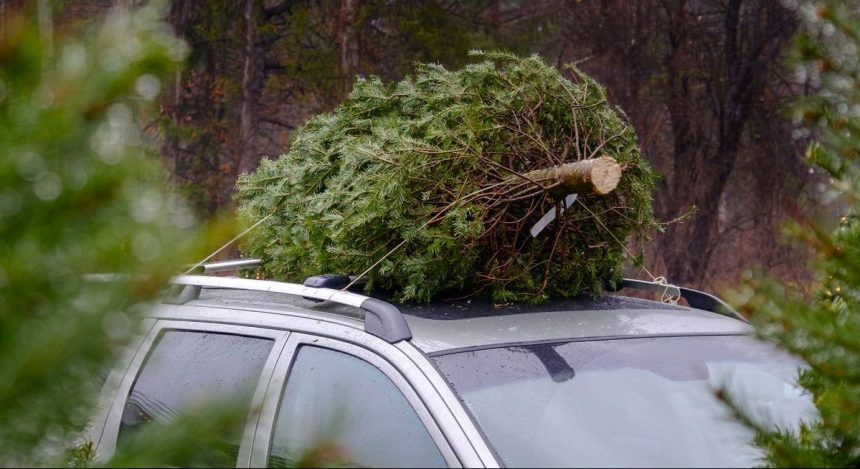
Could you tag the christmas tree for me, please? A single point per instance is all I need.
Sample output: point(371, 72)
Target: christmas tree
point(458, 183)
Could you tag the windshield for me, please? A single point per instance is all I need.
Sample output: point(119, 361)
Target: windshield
point(628, 402)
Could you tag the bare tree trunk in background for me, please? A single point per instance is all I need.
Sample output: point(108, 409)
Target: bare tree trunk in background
point(246, 159)
point(753, 39)
point(694, 77)
point(689, 145)
point(494, 13)
point(179, 18)
point(348, 40)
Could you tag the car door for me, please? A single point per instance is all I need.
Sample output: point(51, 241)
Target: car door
point(336, 403)
point(183, 363)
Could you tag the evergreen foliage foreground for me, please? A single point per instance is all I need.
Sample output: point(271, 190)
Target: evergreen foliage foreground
point(823, 327)
point(428, 176)
point(79, 194)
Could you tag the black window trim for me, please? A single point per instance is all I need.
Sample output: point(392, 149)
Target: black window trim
point(441, 353)
point(109, 432)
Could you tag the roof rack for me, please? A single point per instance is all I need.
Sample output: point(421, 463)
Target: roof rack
point(382, 319)
point(695, 298)
point(223, 266)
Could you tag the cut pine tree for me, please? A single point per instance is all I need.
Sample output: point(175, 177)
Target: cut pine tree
point(431, 185)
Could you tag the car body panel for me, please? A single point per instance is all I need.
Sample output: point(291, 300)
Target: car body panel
point(268, 410)
point(472, 324)
point(291, 320)
point(454, 432)
point(434, 335)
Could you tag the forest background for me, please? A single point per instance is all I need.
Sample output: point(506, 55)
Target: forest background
point(703, 82)
point(706, 83)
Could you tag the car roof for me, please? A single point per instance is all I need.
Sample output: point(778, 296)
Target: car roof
point(443, 327)
point(481, 325)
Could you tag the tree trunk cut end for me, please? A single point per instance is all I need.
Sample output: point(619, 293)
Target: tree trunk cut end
point(594, 176)
point(605, 174)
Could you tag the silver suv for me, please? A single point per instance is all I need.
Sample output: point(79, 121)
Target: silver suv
point(613, 381)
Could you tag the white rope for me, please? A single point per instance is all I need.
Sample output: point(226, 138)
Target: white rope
point(435, 218)
point(228, 243)
point(665, 297)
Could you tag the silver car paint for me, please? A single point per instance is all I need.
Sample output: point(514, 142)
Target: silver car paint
point(443, 413)
point(431, 335)
point(459, 440)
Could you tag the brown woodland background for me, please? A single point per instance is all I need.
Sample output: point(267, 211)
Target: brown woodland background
point(703, 82)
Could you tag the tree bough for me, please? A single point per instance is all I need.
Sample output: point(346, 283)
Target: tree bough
point(432, 185)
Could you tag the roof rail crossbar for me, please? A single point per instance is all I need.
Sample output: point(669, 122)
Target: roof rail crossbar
point(182, 294)
point(653, 287)
point(223, 266)
point(695, 298)
point(382, 319)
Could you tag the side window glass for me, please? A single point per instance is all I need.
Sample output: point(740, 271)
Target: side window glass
point(340, 410)
point(187, 368)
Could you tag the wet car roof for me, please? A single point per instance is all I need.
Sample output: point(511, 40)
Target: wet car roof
point(475, 325)
point(446, 326)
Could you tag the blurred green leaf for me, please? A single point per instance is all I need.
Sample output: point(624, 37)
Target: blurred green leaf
point(80, 193)
point(821, 322)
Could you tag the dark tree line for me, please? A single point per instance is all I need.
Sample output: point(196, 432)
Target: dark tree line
point(705, 86)
point(703, 82)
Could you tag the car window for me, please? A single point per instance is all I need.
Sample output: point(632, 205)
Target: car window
point(340, 410)
point(628, 402)
point(188, 368)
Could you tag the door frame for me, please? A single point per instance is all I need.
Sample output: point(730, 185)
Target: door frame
point(107, 434)
point(277, 386)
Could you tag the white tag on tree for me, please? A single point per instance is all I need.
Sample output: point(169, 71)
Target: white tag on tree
point(549, 216)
